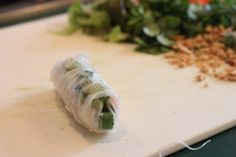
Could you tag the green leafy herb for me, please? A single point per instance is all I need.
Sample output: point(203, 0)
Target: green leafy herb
point(116, 35)
point(68, 30)
point(150, 24)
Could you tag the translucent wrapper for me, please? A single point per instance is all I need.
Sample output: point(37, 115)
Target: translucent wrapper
point(87, 97)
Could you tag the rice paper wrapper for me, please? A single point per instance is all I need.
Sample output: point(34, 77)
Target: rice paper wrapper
point(87, 97)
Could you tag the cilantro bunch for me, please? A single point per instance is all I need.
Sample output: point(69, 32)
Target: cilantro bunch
point(150, 24)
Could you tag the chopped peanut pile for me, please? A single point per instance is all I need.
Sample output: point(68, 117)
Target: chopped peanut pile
point(207, 52)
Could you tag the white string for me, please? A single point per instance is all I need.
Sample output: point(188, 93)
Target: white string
point(187, 146)
point(191, 148)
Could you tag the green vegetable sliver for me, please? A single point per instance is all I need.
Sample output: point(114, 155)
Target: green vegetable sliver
point(106, 117)
point(106, 121)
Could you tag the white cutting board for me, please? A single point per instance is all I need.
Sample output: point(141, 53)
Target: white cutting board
point(159, 104)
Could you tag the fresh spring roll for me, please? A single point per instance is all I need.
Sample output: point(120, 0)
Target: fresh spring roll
point(87, 97)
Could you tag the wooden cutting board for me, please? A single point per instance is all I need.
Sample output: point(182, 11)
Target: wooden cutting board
point(159, 104)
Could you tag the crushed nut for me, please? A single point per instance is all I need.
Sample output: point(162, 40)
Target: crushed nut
point(207, 52)
point(199, 78)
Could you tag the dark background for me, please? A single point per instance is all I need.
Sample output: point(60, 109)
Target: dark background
point(7, 2)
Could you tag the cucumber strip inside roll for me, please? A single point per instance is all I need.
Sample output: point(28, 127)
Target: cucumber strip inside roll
point(106, 117)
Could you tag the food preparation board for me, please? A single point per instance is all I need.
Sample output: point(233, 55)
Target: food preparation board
point(159, 104)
